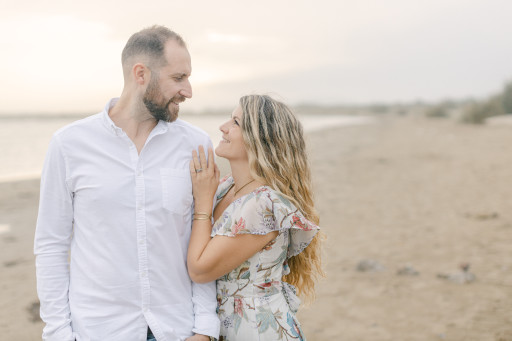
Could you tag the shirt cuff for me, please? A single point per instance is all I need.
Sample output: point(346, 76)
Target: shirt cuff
point(207, 325)
point(64, 334)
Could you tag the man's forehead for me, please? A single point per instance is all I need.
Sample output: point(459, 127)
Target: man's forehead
point(178, 59)
point(173, 49)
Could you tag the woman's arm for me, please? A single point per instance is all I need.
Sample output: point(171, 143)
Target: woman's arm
point(208, 258)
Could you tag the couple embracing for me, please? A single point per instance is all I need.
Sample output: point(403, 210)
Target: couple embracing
point(138, 239)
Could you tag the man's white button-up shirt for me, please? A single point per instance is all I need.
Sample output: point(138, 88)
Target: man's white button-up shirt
point(112, 235)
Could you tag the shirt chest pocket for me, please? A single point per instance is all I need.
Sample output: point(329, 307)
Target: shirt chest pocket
point(176, 190)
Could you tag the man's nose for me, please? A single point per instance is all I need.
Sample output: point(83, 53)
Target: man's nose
point(187, 90)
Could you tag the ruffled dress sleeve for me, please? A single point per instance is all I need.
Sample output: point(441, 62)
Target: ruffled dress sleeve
point(263, 211)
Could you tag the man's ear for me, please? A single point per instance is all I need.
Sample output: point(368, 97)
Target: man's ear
point(141, 73)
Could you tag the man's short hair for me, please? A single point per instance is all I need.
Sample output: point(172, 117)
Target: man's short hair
point(149, 42)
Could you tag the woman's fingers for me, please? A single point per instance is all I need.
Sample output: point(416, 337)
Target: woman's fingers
point(217, 172)
point(197, 164)
point(211, 161)
point(205, 176)
point(202, 158)
point(192, 168)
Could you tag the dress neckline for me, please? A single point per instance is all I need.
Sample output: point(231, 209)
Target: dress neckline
point(231, 184)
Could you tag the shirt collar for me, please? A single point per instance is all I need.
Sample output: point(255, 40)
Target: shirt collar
point(107, 120)
point(161, 126)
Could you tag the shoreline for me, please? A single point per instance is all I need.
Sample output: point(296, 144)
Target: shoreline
point(312, 123)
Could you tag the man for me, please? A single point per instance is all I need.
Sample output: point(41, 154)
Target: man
point(116, 208)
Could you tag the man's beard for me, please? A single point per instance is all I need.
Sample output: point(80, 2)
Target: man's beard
point(156, 104)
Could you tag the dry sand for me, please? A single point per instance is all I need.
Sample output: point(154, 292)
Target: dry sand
point(431, 194)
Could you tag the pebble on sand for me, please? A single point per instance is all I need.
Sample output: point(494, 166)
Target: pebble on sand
point(369, 265)
point(460, 277)
point(407, 270)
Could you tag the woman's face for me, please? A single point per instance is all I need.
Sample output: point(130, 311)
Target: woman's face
point(232, 145)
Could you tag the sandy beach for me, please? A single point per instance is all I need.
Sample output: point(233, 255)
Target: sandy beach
point(425, 203)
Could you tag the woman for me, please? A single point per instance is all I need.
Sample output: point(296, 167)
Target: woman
point(265, 238)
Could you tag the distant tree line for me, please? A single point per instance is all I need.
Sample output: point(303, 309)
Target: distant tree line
point(499, 104)
point(472, 111)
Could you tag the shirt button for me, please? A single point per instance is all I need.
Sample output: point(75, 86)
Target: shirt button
point(141, 241)
point(139, 172)
point(143, 274)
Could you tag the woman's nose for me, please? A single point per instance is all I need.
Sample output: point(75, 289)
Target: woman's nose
point(224, 127)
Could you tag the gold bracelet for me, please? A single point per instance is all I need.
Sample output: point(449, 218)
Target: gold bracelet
point(201, 218)
point(202, 214)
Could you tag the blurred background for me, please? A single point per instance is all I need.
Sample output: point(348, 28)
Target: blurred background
point(407, 108)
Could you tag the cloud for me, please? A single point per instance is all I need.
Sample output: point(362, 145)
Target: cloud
point(53, 58)
point(66, 54)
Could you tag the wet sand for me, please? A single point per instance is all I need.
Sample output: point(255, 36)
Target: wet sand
point(428, 194)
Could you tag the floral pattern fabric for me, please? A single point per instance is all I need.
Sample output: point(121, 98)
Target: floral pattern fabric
point(253, 301)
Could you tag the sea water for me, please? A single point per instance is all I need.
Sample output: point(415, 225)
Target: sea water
point(24, 140)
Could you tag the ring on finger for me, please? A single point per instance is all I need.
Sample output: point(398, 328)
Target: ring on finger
point(199, 170)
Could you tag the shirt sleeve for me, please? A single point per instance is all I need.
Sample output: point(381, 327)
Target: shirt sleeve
point(204, 297)
point(205, 305)
point(51, 246)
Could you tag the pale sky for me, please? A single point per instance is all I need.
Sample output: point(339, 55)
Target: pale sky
point(64, 56)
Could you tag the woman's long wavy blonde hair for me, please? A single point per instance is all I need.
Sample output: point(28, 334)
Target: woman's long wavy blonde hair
point(275, 144)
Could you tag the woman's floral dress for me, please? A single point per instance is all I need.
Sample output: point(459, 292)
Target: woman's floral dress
point(253, 302)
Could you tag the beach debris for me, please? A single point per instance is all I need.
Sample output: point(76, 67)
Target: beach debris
point(369, 265)
point(11, 263)
point(506, 226)
point(407, 270)
point(460, 277)
point(483, 216)
point(33, 312)
point(10, 239)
